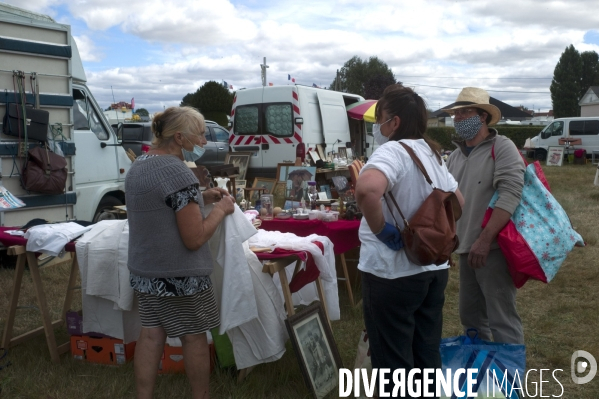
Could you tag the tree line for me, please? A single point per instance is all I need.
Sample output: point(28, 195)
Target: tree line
point(573, 75)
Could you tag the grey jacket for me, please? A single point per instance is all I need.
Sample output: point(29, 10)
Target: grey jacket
point(479, 176)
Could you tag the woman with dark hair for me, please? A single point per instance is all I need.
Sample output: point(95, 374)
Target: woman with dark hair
point(403, 302)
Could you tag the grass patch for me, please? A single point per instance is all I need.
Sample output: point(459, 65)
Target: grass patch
point(558, 318)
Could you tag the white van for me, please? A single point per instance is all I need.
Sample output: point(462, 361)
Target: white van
point(584, 128)
point(96, 162)
point(279, 123)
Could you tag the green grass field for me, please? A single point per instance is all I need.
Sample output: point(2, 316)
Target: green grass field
point(559, 318)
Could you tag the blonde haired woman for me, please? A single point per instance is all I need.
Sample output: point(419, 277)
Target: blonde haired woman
point(168, 259)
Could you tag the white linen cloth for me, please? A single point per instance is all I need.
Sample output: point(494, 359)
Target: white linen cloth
point(325, 263)
point(102, 254)
point(262, 339)
point(251, 309)
point(51, 238)
point(237, 302)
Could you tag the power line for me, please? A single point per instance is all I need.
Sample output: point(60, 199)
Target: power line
point(497, 91)
point(460, 77)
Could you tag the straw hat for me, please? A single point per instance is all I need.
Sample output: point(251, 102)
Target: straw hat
point(473, 97)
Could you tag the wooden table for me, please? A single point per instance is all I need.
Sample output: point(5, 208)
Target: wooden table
point(343, 234)
point(47, 328)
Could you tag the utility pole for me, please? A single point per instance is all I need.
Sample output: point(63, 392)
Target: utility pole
point(263, 67)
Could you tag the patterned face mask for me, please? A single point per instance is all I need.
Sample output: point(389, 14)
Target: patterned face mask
point(468, 128)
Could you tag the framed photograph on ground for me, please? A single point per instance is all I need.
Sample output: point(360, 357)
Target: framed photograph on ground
point(315, 349)
point(241, 160)
point(260, 182)
point(555, 156)
point(283, 171)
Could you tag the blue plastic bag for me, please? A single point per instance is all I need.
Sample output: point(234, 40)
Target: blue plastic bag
point(501, 367)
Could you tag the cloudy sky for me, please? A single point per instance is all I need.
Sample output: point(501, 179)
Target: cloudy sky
point(159, 50)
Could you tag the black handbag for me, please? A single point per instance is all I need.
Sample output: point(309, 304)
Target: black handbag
point(37, 122)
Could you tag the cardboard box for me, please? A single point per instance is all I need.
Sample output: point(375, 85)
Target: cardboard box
point(172, 360)
point(75, 325)
point(100, 316)
point(102, 350)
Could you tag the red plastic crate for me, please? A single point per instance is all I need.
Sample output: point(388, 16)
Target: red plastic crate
point(172, 360)
point(104, 350)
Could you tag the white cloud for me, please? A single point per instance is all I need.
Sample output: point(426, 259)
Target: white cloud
point(87, 49)
point(448, 44)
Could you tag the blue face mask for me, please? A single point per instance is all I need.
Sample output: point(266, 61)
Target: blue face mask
point(192, 156)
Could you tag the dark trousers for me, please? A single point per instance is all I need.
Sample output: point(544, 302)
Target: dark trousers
point(404, 320)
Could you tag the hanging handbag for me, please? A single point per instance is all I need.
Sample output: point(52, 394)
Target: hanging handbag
point(44, 172)
point(539, 235)
point(37, 121)
point(501, 367)
point(429, 236)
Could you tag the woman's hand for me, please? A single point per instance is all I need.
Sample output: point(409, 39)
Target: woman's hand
point(213, 195)
point(226, 204)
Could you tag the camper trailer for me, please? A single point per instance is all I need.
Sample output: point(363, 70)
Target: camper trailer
point(42, 54)
point(281, 123)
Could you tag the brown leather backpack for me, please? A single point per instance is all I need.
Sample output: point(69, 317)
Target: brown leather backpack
point(429, 236)
point(45, 172)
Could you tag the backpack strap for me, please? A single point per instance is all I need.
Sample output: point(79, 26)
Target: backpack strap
point(420, 166)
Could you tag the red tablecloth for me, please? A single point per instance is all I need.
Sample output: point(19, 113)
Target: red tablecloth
point(8, 240)
point(304, 276)
point(343, 233)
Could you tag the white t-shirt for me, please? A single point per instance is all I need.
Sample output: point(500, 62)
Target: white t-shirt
point(409, 187)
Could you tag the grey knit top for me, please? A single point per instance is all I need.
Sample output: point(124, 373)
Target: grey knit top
point(155, 245)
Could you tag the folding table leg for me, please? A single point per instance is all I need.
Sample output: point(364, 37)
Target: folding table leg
point(43, 305)
point(323, 301)
point(71, 287)
point(286, 292)
point(14, 299)
point(347, 282)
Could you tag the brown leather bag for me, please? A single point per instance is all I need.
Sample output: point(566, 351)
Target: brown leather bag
point(429, 236)
point(45, 172)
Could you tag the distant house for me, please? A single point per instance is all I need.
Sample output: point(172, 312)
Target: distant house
point(441, 118)
point(589, 103)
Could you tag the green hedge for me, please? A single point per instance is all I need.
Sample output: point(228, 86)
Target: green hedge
point(518, 134)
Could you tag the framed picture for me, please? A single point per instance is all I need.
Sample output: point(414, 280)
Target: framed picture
point(555, 156)
point(322, 196)
point(239, 188)
point(260, 182)
point(283, 171)
point(342, 152)
point(314, 155)
point(320, 150)
point(327, 189)
point(315, 349)
point(241, 160)
point(297, 178)
point(279, 193)
point(349, 153)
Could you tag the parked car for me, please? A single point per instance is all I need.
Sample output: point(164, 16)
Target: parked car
point(138, 136)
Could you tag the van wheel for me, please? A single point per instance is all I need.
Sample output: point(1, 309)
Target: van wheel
point(107, 204)
point(540, 155)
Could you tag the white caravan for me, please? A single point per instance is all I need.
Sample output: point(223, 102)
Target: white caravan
point(279, 123)
point(584, 128)
point(96, 162)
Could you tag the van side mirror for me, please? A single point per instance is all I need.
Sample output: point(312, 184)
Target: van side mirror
point(299, 120)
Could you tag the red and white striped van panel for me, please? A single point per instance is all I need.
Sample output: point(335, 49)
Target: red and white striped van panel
point(268, 139)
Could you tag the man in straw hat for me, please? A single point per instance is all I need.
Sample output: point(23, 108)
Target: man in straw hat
point(487, 293)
